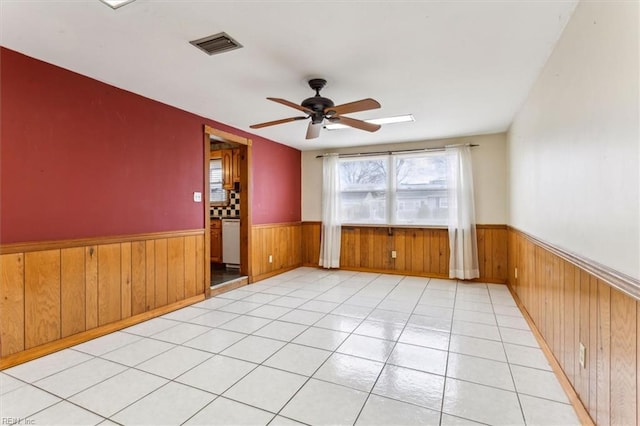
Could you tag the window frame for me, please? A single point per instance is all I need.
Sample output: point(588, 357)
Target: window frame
point(385, 190)
point(225, 202)
point(391, 192)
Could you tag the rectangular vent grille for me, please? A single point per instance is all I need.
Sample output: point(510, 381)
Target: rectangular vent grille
point(217, 43)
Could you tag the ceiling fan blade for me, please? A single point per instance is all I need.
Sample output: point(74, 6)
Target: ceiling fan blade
point(361, 105)
point(313, 131)
point(358, 124)
point(291, 105)
point(274, 122)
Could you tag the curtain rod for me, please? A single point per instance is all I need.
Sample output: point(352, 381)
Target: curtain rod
point(368, 154)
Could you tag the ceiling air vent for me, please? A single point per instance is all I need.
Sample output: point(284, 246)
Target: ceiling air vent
point(217, 43)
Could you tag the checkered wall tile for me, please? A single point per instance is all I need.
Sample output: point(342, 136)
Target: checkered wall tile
point(232, 210)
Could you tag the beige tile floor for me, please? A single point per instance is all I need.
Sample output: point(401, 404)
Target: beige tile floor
point(305, 347)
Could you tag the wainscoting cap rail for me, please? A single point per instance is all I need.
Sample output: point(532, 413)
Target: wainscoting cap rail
point(402, 151)
point(92, 241)
point(618, 280)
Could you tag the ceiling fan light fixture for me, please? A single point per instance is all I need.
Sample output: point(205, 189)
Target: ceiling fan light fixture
point(384, 120)
point(114, 4)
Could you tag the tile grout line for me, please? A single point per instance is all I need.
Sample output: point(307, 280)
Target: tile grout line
point(446, 366)
point(266, 359)
point(332, 352)
point(216, 396)
point(335, 350)
point(133, 367)
point(392, 349)
point(361, 288)
point(513, 380)
point(128, 367)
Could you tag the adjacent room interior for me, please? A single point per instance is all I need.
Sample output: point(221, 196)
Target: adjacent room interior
point(241, 212)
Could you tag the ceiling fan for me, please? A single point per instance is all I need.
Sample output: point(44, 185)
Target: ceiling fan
point(319, 108)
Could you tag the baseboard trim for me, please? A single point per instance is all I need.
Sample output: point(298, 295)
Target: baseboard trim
point(223, 288)
point(346, 225)
point(409, 274)
point(256, 278)
point(581, 411)
point(66, 342)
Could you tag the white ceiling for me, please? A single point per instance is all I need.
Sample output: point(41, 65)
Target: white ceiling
point(460, 67)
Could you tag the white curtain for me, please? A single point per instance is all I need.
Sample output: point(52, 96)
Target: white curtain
point(331, 229)
point(463, 262)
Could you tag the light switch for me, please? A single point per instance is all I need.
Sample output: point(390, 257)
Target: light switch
point(197, 197)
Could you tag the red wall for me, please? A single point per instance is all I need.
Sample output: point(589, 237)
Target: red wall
point(80, 158)
point(276, 184)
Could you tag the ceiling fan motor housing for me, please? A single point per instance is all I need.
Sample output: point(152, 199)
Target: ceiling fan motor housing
point(317, 103)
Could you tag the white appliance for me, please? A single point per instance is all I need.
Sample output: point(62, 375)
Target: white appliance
point(231, 243)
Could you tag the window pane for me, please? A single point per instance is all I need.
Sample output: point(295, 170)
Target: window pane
point(363, 207)
point(414, 194)
point(217, 194)
point(363, 185)
point(421, 189)
point(359, 175)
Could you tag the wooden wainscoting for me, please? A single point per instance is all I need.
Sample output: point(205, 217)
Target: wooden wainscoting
point(281, 241)
point(56, 289)
point(310, 243)
point(419, 251)
point(570, 303)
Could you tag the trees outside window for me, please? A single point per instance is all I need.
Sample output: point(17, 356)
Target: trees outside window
point(394, 189)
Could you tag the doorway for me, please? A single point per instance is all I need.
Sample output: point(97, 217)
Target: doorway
point(226, 208)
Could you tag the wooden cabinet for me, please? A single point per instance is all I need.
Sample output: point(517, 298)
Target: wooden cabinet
point(236, 165)
point(216, 240)
point(227, 169)
point(230, 167)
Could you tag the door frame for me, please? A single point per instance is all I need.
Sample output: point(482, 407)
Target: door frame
point(245, 201)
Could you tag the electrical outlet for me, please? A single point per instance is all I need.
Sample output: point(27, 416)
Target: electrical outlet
point(582, 355)
point(197, 197)
point(394, 254)
point(516, 273)
point(270, 258)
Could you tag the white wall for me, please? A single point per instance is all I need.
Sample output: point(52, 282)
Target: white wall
point(573, 148)
point(489, 170)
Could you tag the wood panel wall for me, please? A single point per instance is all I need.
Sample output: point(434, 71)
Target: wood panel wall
point(53, 290)
point(569, 306)
point(419, 251)
point(281, 241)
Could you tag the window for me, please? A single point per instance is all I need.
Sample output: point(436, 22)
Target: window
point(408, 189)
point(217, 195)
point(363, 190)
point(421, 189)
